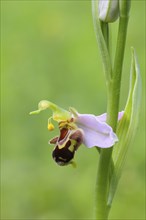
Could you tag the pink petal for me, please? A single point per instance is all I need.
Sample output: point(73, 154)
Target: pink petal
point(96, 132)
point(104, 115)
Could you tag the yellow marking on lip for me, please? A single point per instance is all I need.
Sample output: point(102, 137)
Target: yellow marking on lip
point(71, 148)
point(61, 146)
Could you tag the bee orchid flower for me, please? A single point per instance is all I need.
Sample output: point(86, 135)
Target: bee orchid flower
point(76, 129)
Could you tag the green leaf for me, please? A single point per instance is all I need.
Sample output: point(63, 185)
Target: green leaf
point(127, 126)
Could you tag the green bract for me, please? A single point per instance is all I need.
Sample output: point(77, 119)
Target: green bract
point(128, 124)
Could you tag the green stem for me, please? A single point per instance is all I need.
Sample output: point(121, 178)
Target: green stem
point(102, 184)
point(115, 84)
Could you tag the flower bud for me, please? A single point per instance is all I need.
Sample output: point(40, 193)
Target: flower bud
point(108, 10)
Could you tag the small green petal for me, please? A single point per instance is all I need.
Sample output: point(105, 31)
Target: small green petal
point(73, 111)
point(127, 126)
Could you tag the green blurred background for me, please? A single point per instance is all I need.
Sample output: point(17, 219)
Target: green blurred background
point(49, 51)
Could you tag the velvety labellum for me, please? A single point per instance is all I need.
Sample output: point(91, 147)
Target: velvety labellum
point(66, 145)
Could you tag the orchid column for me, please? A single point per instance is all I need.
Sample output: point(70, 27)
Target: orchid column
point(109, 169)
